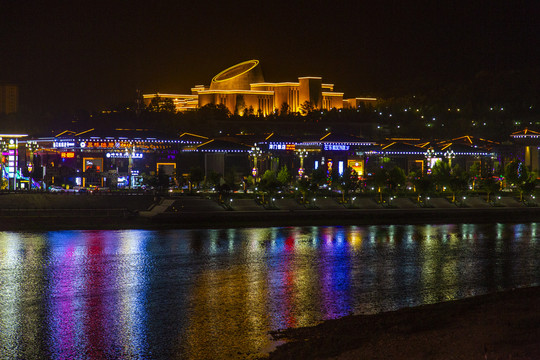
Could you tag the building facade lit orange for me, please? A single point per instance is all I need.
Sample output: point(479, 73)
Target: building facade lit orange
point(242, 88)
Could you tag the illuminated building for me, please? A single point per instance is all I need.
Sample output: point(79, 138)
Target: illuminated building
point(9, 98)
point(120, 158)
point(329, 152)
point(528, 142)
point(242, 88)
point(357, 102)
point(117, 159)
point(9, 160)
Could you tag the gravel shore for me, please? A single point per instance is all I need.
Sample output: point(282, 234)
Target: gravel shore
point(504, 325)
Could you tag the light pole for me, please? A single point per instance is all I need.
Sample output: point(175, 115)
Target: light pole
point(32, 146)
point(255, 152)
point(449, 154)
point(302, 154)
point(430, 154)
point(129, 154)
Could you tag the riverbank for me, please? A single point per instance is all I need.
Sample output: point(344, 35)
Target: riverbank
point(503, 325)
point(55, 212)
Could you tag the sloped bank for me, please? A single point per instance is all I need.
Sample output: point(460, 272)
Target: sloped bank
point(503, 325)
point(193, 219)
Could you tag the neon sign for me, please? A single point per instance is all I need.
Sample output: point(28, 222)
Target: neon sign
point(290, 147)
point(123, 155)
point(336, 147)
point(97, 144)
point(63, 144)
point(67, 155)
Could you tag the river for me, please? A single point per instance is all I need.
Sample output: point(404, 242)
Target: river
point(213, 294)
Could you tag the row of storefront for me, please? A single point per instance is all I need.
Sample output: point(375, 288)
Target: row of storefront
point(124, 158)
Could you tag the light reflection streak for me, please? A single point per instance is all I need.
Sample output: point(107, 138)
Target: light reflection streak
point(66, 282)
point(10, 294)
point(225, 289)
point(391, 233)
point(33, 281)
point(133, 284)
point(372, 230)
point(409, 234)
point(355, 238)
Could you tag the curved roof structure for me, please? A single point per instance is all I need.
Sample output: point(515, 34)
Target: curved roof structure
point(238, 77)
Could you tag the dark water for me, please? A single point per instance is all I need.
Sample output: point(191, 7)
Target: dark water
point(213, 294)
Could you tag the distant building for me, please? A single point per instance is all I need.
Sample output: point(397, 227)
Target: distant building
point(242, 88)
point(9, 98)
point(357, 102)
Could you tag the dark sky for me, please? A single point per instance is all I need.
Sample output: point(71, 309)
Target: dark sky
point(90, 54)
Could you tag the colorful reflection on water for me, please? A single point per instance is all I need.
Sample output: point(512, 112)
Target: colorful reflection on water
point(207, 294)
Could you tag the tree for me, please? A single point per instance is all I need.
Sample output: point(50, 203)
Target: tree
point(307, 108)
point(159, 104)
point(474, 173)
point(213, 112)
point(516, 173)
point(284, 111)
point(424, 186)
point(396, 178)
point(457, 185)
point(213, 179)
point(319, 176)
point(441, 174)
point(303, 187)
point(380, 179)
point(224, 191)
point(348, 182)
point(268, 184)
point(490, 186)
point(196, 176)
point(249, 111)
point(284, 176)
point(528, 187)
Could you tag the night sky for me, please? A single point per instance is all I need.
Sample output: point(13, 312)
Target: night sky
point(91, 54)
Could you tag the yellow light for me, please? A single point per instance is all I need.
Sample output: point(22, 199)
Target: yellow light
point(164, 164)
point(246, 92)
point(253, 63)
point(325, 136)
point(275, 84)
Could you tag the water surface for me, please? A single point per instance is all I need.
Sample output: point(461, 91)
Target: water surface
point(208, 294)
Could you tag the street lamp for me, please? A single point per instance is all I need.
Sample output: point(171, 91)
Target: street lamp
point(32, 146)
point(302, 154)
point(255, 152)
point(449, 154)
point(430, 154)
